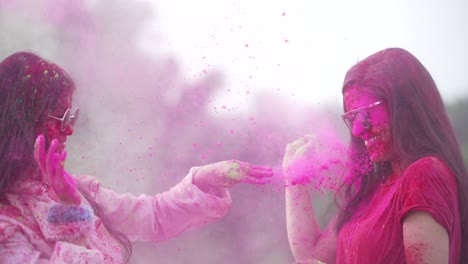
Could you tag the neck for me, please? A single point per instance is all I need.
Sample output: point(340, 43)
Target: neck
point(32, 173)
point(399, 166)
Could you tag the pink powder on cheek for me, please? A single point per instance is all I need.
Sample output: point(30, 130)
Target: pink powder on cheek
point(381, 148)
point(380, 126)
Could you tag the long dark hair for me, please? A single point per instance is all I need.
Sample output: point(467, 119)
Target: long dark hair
point(30, 89)
point(27, 95)
point(419, 123)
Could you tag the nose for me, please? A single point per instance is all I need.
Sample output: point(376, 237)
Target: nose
point(68, 131)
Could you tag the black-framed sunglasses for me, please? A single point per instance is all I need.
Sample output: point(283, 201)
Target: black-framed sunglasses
point(360, 114)
point(69, 118)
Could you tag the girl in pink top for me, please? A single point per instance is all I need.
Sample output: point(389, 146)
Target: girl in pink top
point(405, 195)
point(48, 216)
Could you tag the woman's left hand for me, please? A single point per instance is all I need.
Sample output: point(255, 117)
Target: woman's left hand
point(226, 174)
point(51, 163)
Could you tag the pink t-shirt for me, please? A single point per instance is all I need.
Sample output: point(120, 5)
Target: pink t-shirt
point(375, 234)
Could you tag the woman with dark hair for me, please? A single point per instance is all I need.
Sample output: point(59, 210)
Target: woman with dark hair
point(48, 216)
point(405, 195)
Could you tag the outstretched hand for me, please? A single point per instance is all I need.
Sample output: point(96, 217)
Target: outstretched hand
point(51, 163)
point(226, 174)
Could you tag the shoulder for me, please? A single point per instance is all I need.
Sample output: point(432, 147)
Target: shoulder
point(429, 170)
point(429, 183)
point(425, 163)
point(429, 186)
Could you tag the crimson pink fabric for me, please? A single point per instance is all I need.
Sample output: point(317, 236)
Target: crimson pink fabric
point(375, 233)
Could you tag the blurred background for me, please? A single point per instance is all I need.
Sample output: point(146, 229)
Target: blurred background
point(167, 85)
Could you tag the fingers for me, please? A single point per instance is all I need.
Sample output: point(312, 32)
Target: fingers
point(54, 169)
point(63, 158)
point(58, 164)
point(51, 159)
point(310, 137)
point(260, 173)
point(255, 171)
point(54, 163)
point(39, 151)
point(69, 193)
point(51, 151)
point(302, 141)
point(254, 180)
point(262, 168)
point(292, 147)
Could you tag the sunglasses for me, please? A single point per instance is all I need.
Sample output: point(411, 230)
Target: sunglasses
point(360, 114)
point(69, 118)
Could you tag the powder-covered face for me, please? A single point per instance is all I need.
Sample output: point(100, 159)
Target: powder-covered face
point(377, 137)
point(53, 126)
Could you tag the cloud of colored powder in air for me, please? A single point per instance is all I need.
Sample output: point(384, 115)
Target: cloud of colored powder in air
point(143, 124)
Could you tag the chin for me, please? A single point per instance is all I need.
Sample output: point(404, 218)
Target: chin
point(384, 157)
point(380, 152)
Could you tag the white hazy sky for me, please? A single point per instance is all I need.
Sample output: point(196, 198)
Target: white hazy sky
point(303, 48)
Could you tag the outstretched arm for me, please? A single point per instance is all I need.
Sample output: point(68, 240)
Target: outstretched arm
point(200, 198)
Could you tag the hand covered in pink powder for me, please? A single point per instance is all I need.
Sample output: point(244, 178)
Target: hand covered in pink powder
point(309, 159)
point(298, 161)
point(226, 174)
point(51, 164)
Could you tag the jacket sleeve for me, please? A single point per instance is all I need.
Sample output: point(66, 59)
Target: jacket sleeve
point(160, 217)
point(19, 246)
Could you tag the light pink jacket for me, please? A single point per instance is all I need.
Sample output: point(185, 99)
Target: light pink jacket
point(27, 237)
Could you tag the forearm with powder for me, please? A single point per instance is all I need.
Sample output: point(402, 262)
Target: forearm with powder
point(303, 229)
